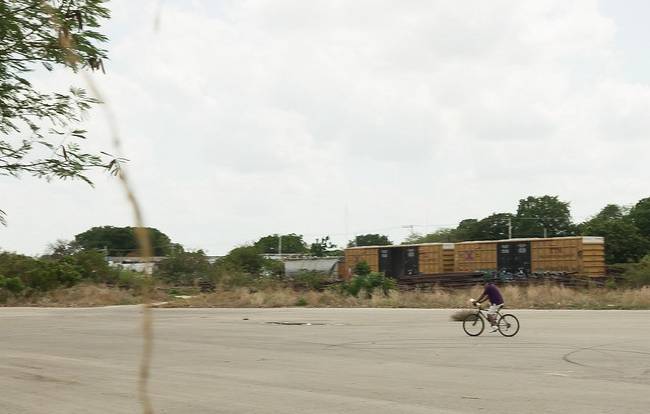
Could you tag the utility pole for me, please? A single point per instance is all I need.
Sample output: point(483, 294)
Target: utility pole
point(280, 246)
point(410, 227)
point(509, 227)
point(346, 223)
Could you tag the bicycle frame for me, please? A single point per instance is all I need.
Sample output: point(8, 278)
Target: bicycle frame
point(481, 314)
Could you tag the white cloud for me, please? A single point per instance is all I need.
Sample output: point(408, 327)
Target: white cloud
point(247, 118)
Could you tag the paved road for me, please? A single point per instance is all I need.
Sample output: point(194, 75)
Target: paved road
point(67, 361)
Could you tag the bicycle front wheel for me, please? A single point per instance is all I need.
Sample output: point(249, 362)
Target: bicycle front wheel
point(508, 325)
point(473, 324)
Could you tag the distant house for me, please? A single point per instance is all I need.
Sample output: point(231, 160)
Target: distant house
point(326, 265)
point(137, 264)
point(293, 263)
point(142, 264)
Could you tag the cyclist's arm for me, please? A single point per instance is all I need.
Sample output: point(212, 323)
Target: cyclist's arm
point(482, 297)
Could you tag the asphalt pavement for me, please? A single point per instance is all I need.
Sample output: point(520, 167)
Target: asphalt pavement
point(296, 360)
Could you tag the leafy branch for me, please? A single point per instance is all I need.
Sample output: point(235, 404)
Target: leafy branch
point(39, 130)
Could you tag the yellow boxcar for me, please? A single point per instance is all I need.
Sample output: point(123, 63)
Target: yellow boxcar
point(402, 260)
point(580, 255)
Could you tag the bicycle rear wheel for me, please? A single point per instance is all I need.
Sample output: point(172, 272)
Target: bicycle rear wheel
point(508, 325)
point(473, 324)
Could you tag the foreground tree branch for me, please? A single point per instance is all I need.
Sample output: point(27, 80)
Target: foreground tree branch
point(39, 130)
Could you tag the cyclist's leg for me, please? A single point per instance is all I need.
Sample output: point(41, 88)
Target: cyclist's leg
point(492, 314)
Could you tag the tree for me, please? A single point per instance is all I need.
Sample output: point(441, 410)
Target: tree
point(468, 229)
point(438, 236)
point(291, 243)
point(122, 241)
point(543, 216)
point(640, 215)
point(39, 130)
point(370, 240)
point(623, 240)
point(612, 212)
point(245, 258)
point(494, 226)
point(183, 267)
point(62, 248)
point(321, 247)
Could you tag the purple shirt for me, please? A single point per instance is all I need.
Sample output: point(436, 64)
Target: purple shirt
point(493, 293)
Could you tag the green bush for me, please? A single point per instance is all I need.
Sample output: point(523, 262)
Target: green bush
point(43, 275)
point(229, 278)
point(273, 267)
point(128, 279)
point(245, 259)
point(12, 284)
point(54, 271)
point(368, 284)
point(182, 268)
point(65, 273)
point(362, 269)
point(611, 283)
point(638, 274)
point(310, 280)
point(93, 266)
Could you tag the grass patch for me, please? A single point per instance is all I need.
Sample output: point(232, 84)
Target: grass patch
point(529, 297)
point(82, 295)
point(273, 296)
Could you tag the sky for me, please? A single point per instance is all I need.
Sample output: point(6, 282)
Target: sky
point(247, 118)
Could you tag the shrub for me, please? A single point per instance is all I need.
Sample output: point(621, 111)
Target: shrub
point(66, 273)
point(369, 283)
point(244, 258)
point(128, 279)
point(12, 284)
point(45, 275)
point(93, 266)
point(362, 269)
point(229, 278)
point(56, 270)
point(273, 267)
point(638, 274)
point(182, 268)
point(310, 280)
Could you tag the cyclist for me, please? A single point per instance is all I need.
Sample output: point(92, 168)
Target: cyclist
point(496, 302)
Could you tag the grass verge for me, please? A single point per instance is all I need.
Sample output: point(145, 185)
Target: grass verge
point(82, 295)
point(528, 297)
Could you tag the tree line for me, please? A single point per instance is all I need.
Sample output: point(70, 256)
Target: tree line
point(626, 229)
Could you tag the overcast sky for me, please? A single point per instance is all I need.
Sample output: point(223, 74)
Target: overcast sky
point(246, 118)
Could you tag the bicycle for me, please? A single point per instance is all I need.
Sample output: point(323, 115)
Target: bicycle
point(474, 323)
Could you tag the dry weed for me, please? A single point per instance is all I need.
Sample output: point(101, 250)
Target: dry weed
point(535, 297)
point(83, 295)
point(522, 297)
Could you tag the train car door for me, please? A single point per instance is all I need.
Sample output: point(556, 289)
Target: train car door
point(514, 257)
point(385, 262)
point(411, 261)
